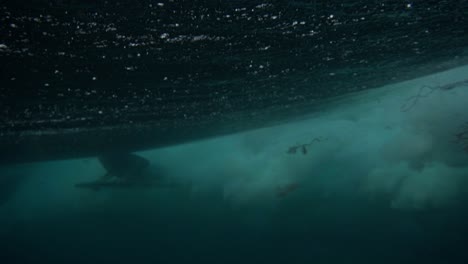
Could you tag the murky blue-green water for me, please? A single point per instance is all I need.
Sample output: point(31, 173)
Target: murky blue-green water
point(377, 185)
point(276, 131)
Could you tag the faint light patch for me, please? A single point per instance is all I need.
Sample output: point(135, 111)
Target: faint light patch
point(110, 28)
point(198, 38)
point(262, 6)
point(191, 38)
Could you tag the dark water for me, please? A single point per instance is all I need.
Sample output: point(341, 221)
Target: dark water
point(379, 176)
point(380, 186)
point(162, 73)
point(206, 229)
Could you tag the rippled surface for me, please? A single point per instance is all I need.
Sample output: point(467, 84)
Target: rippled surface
point(79, 64)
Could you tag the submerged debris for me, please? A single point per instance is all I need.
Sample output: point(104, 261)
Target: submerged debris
point(426, 90)
point(303, 147)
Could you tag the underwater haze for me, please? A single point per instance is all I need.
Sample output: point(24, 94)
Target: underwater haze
point(381, 177)
point(234, 131)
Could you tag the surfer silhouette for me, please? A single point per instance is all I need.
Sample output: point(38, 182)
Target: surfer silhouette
point(122, 170)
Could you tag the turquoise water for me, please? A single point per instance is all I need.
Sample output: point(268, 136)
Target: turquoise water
point(276, 131)
point(378, 182)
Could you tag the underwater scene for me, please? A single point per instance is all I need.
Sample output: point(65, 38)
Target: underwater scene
point(235, 131)
point(381, 178)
